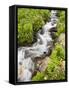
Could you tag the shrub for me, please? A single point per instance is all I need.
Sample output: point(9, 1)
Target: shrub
point(54, 70)
point(25, 34)
point(29, 22)
point(61, 23)
point(58, 52)
point(38, 77)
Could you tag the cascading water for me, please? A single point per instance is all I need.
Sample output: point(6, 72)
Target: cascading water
point(26, 55)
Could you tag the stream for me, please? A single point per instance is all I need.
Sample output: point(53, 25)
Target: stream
point(42, 48)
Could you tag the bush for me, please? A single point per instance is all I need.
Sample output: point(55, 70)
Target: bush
point(54, 70)
point(38, 23)
point(61, 23)
point(38, 77)
point(58, 52)
point(25, 35)
point(45, 15)
point(29, 22)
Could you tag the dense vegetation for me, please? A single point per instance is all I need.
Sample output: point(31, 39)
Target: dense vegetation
point(61, 23)
point(29, 22)
point(55, 68)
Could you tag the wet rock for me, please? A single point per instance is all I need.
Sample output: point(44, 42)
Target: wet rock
point(42, 64)
point(53, 35)
point(53, 29)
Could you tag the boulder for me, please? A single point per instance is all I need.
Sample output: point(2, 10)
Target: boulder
point(41, 64)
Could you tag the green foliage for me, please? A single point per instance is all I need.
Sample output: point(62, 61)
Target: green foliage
point(58, 52)
point(25, 35)
point(39, 77)
point(61, 23)
point(29, 22)
point(53, 70)
point(45, 15)
point(38, 23)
